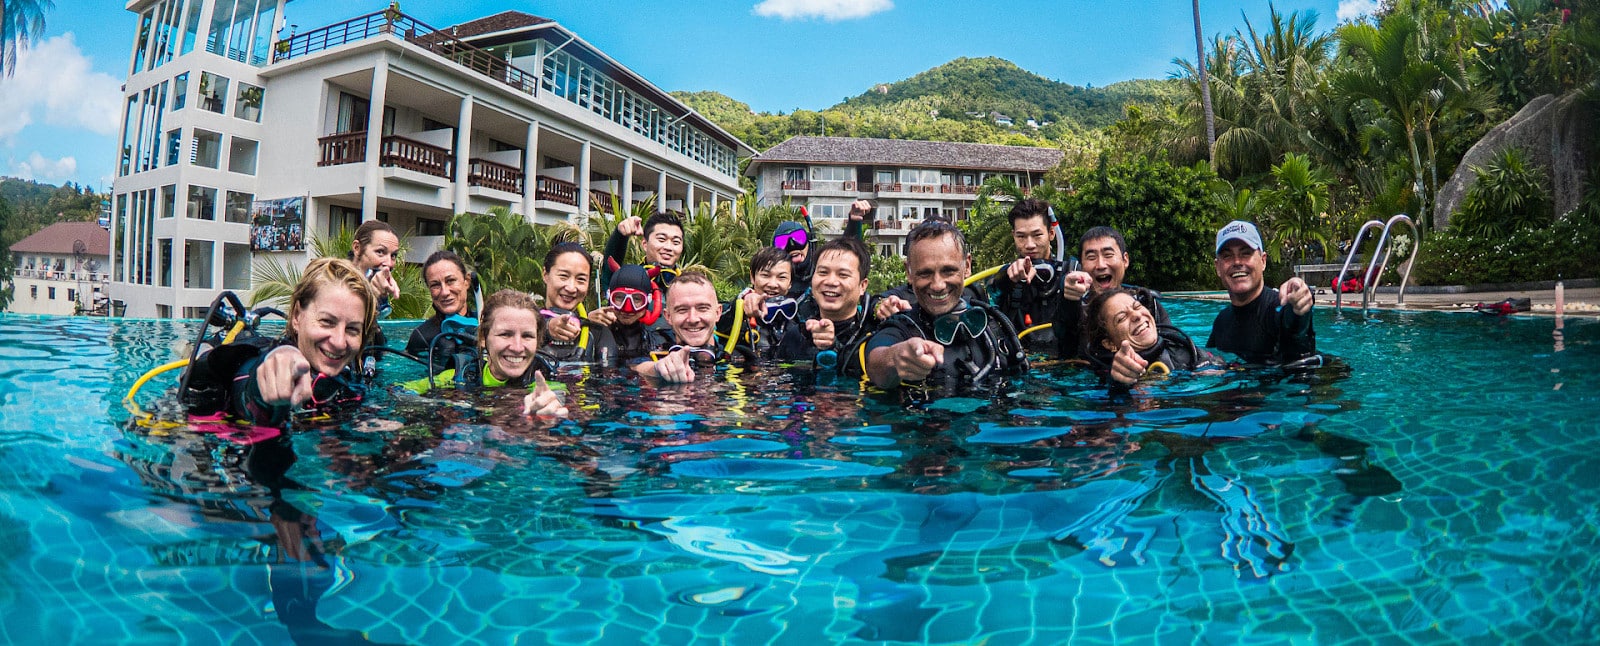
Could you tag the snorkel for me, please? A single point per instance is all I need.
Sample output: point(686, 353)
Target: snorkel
point(1061, 242)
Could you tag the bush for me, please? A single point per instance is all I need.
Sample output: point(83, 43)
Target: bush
point(1509, 194)
point(1570, 248)
point(1166, 212)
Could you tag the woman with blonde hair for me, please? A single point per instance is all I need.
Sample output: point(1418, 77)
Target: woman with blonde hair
point(508, 346)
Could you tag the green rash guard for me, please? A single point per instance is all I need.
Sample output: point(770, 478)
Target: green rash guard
point(421, 387)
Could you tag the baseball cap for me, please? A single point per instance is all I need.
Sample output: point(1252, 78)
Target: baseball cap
point(1239, 230)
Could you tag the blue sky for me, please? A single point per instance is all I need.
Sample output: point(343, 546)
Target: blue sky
point(58, 114)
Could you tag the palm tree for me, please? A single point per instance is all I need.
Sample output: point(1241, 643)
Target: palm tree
point(275, 281)
point(21, 23)
point(1297, 206)
point(1205, 84)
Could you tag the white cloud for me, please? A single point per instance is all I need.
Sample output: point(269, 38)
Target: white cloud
point(54, 81)
point(829, 10)
point(1356, 9)
point(41, 168)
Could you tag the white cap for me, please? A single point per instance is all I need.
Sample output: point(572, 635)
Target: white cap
point(1239, 230)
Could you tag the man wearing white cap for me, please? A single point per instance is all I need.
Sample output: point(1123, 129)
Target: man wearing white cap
point(1260, 325)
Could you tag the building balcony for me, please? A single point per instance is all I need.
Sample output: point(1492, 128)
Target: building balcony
point(488, 174)
point(958, 189)
point(886, 187)
point(62, 275)
point(394, 151)
point(392, 22)
point(797, 185)
point(894, 226)
point(551, 189)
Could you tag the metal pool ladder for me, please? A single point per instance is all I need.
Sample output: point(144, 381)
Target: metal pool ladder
point(1380, 259)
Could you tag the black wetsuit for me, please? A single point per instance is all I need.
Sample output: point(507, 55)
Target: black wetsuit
point(848, 336)
point(600, 350)
point(444, 352)
point(758, 342)
point(1261, 333)
point(224, 381)
point(967, 360)
point(635, 341)
point(1031, 303)
point(616, 252)
point(1068, 322)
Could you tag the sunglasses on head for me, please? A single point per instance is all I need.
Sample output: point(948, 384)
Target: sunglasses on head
point(779, 307)
point(696, 354)
point(973, 319)
point(791, 241)
point(628, 300)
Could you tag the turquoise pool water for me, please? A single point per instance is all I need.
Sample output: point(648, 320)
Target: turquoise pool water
point(1442, 486)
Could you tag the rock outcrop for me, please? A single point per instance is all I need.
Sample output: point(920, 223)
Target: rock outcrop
point(1552, 131)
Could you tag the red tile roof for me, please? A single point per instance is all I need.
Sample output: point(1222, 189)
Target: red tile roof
point(60, 238)
point(503, 21)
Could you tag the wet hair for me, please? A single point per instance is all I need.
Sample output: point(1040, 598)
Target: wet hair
point(1095, 332)
point(660, 219)
point(445, 255)
point(324, 273)
point(768, 258)
point(853, 246)
point(1095, 233)
point(1029, 208)
point(365, 232)
point(932, 229)
point(560, 249)
point(505, 299)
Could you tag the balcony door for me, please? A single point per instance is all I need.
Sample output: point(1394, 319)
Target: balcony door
point(353, 111)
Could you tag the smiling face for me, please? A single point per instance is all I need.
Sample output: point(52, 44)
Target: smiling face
point(837, 284)
point(447, 286)
point(1124, 319)
point(1031, 237)
point(1240, 267)
point(1104, 262)
point(328, 329)
point(937, 268)
point(511, 342)
point(692, 311)
point(772, 281)
point(377, 253)
point(566, 283)
point(663, 245)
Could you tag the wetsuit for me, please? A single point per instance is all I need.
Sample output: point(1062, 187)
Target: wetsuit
point(968, 359)
point(1031, 303)
point(478, 377)
point(1262, 333)
point(599, 350)
point(224, 381)
point(760, 340)
point(1173, 348)
point(635, 340)
point(800, 278)
point(848, 336)
point(444, 352)
point(1068, 321)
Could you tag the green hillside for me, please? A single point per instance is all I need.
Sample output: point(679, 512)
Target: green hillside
point(956, 101)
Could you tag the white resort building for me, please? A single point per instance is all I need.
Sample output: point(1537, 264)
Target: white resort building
point(237, 145)
point(62, 270)
point(908, 181)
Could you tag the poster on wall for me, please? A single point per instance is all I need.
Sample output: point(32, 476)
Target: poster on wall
point(278, 225)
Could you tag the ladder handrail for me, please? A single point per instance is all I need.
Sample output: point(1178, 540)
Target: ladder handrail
point(1355, 248)
point(1405, 276)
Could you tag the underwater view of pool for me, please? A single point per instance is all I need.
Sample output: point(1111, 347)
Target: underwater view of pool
point(1438, 483)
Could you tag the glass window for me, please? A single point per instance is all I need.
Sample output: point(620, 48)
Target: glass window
point(191, 25)
point(213, 92)
point(169, 201)
point(238, 209)
point(247, 104)
point(202, 203)
point(52, 293)
point(174, 146)
point(207, 150)
point(180, 91)
point(342, 217)
point(164, 253)
point(197, 263)
point(141, 41)
point(430, 227)
point(352, 114)
point(130, 129)
point(242, 156)
point(830, 173)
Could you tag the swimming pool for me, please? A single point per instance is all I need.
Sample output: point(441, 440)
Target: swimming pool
point(1443, 487)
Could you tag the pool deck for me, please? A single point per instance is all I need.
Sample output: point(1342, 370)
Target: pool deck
point(1580, 302)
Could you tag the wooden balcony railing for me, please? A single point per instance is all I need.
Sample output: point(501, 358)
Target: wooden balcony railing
point(797, 185)
point(500, 177)
point(883, 187)
point(555, 190)
point(391, 21)
point(962, 189)
point(343, 148)
point(411, 154)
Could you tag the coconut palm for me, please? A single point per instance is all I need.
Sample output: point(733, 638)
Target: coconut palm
point(21, 23)
point(1205, 84)
point(1296, 207)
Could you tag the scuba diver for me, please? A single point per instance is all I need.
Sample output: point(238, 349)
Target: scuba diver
point(569, 337)
point(633, 310)
point(663, 247)
point(1028, 291)
point(1260, 325)
point(1104, 253)
point(832, 321)
point(1126, 342)
point(332, 312)
point(761, 315)
point(508, 345)
point(690, 341)
point(450, 285)
point(944, 339)
point(800, 241)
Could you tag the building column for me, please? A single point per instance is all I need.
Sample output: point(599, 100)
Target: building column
point(530, 171)
point(375, 103)
point(583, 180)
point(688, 199)
point(713, 202)
point(462, 153)
point(661, 192)
point(627, 187)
